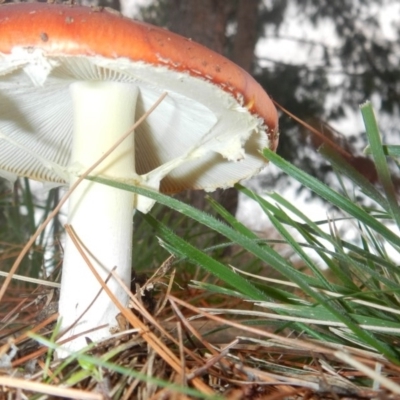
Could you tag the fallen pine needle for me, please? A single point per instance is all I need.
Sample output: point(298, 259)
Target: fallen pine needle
point(38, 387)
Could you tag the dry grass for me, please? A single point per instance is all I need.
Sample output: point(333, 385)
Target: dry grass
point(187, 352)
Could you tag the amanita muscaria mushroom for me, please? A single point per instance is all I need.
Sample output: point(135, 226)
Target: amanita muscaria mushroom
point(72, 80)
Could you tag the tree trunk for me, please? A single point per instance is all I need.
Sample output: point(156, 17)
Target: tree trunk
point(246, 34)
point(114, 4)
point(203, 21)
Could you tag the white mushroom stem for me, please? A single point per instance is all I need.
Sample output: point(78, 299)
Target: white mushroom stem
point(101, 216)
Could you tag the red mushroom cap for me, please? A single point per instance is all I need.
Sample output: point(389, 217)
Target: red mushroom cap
point(76, 30)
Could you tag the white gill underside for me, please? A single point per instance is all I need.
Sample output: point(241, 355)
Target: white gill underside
point(196, 119)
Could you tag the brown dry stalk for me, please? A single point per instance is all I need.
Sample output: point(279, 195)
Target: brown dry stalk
point(316, 132)
point(51, 390)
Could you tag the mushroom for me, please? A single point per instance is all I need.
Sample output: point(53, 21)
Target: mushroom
point(73, 79)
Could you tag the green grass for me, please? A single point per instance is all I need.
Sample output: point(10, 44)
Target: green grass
point(353, 300)
point(19, 219)
point(359, 290)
